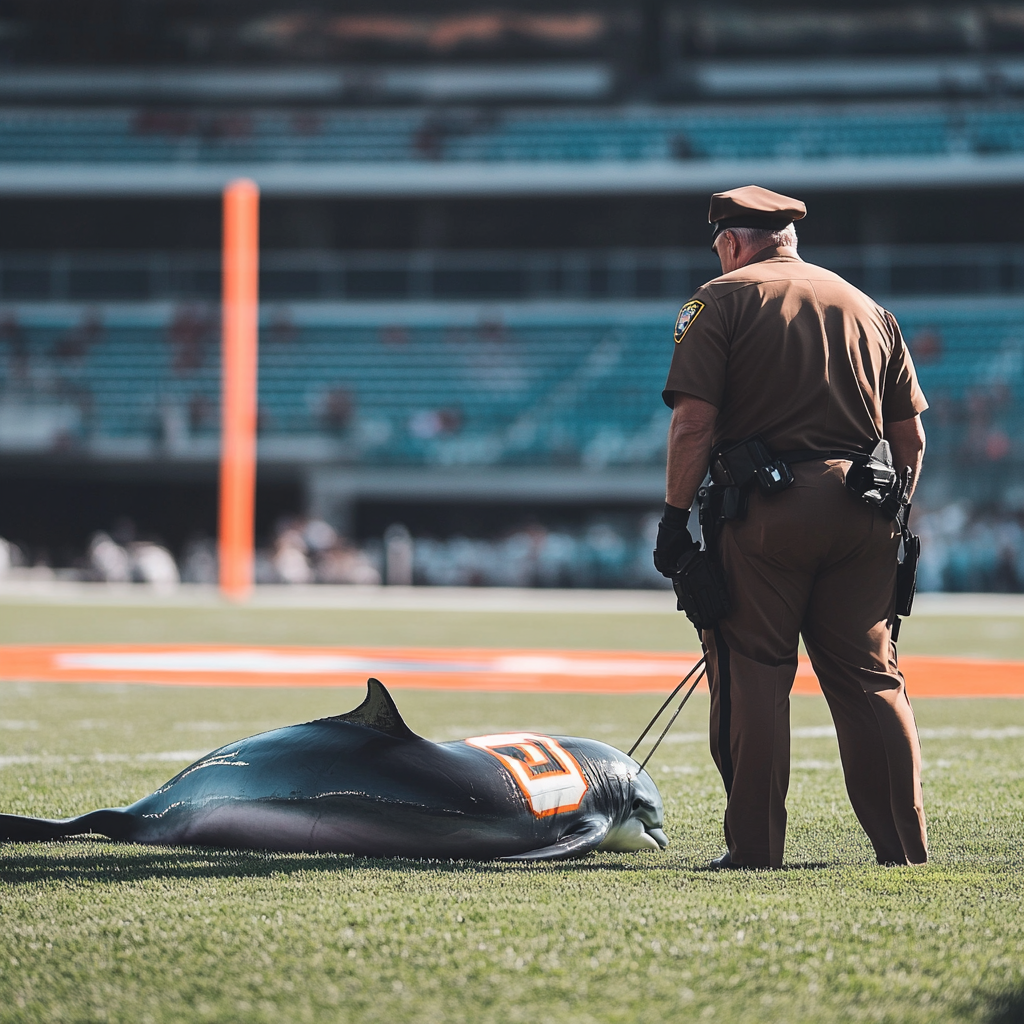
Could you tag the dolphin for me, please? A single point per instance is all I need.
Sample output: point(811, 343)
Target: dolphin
point(364, 783)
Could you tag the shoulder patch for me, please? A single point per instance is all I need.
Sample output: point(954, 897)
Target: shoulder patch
point(687, 315)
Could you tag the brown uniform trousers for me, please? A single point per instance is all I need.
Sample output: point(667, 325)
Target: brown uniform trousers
point(814, 560)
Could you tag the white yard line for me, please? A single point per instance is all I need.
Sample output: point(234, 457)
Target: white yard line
point(168, 756)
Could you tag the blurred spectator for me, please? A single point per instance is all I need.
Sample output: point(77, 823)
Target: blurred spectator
point(965, 548)
point(319, 536)
point(308, 551)
point(13, 336)
point(174, 426)
point(943, 410)
point(199, 561)
point(398, 556)
point(108, 561)
point(306, 122)
point(492, 330)
point(682, 147)
point(264, 419)
point(601, 557)
point(968, 549)
point(337, 410)
point(394, 334)
point(609, 553)
point(343, 563)
point(426, 424)
point(281, 329)
point(202, 413)
point(997, 445)
point(217, 127)
point(175, 123)
point(289, 560)
point(74, 344)
point(5, 558)
point(558, 561)
point(124, 530)
point(982, 439)
point(926, 346)
point(429, 139)
point(189, 332)
point(153, 564)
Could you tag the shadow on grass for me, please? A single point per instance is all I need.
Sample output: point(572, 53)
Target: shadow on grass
point(61, 861)
point(804, 865)
point(1006, 1007)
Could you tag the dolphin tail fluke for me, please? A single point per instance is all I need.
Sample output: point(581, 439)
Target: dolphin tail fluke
point(17, 829)
point(587, 836)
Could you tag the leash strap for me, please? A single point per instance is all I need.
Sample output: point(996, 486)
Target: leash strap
point(650, 725)
point(672, 720)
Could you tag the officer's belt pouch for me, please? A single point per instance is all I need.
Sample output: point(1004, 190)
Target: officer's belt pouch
point(906, 573)
point(739, 466)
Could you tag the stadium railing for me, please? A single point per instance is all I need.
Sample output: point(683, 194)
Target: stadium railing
point(882, 270)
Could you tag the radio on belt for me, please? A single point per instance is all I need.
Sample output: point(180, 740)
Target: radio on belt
point(750, 461)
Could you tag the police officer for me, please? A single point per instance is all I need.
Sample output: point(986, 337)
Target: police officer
point(780, 348)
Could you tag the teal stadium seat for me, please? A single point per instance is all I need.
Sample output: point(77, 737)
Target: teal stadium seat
point(532, 391)
point(210, 137)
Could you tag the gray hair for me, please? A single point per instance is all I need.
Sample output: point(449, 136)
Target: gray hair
point(759, 238)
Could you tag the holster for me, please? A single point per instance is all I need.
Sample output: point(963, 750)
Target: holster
point(717, 504)
point(906, 573)
point(875, 481)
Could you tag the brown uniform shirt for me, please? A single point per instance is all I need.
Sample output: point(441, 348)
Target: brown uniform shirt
point(791, 351)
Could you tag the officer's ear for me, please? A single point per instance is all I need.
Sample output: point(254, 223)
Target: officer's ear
point(728, 247)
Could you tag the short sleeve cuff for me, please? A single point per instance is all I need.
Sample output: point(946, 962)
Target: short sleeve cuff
point(904, 408)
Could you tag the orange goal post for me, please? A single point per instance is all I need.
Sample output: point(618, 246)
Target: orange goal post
point(240, 317)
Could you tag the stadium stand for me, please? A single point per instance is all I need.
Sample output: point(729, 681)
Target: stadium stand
point(476, 235)
point(437, 384)
point(584, 134)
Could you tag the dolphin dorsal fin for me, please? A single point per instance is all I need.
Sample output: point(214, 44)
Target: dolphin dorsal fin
point(378, 711)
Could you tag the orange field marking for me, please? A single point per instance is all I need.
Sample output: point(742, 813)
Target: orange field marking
point(442, 668)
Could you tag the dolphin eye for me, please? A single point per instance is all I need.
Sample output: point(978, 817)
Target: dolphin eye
point(637, 804)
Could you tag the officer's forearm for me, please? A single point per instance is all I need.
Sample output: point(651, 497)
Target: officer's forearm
point(689, 448)
point(907, 441)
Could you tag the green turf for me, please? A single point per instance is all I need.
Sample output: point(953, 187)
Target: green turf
point(98, 932)
point(27, 624)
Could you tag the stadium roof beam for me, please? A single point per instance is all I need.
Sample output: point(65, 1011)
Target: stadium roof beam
point(411, 180)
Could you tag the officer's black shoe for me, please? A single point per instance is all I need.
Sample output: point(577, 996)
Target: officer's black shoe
point(724, 863)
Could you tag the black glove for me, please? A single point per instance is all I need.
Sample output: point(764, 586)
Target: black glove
point(674, 540)
point(701, 589)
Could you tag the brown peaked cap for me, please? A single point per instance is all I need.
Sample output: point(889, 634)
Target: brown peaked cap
point(753, 207)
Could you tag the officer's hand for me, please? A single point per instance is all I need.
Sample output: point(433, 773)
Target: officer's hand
point(674, 540)
point(701, 590)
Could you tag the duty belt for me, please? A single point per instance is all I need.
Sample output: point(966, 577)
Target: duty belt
point(736, 467)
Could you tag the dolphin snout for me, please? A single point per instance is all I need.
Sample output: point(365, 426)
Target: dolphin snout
point(658, 835)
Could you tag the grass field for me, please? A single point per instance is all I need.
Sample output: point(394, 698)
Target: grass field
point(98, 932)
point(995, 637)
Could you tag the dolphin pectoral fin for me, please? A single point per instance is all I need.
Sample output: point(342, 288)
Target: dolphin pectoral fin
point(378, 711)
point(116, 824)
point(587, 836)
